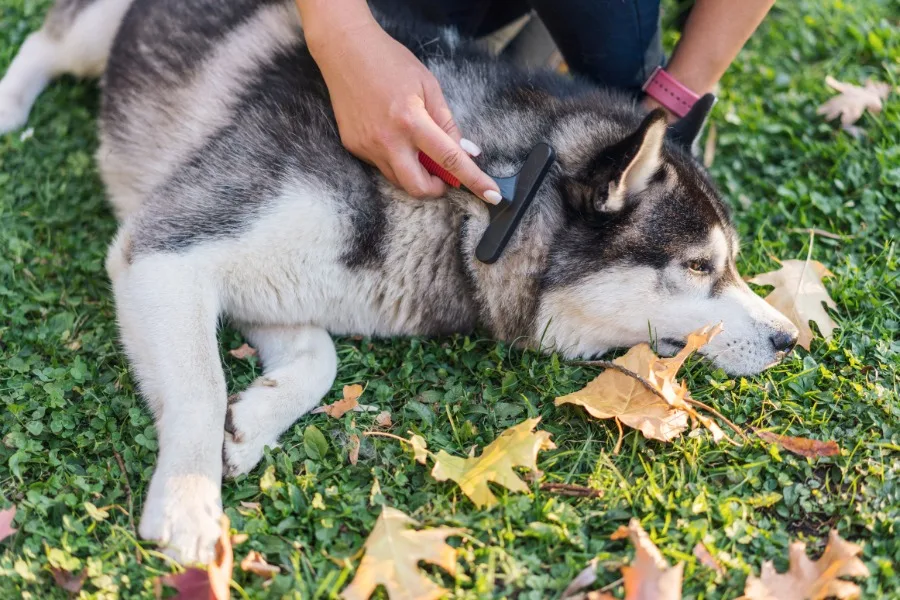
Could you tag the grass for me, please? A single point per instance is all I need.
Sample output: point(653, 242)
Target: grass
point(71, 418)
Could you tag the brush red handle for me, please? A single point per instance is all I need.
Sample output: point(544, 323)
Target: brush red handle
point(437, 170)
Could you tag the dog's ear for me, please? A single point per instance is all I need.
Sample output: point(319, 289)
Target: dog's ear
point(685, 132)
point(622, 170)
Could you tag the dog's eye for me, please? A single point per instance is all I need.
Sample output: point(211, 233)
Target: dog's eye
point(699, 267)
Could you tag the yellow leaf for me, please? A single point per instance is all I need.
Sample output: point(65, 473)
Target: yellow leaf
point(649, 577)
point(799, 294)
point(660, 413)
point(518, 446)
point(393, 551)
point(420, 448)
point(811, 580)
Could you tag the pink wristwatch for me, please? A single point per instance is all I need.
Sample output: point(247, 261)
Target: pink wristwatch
point(666, 90)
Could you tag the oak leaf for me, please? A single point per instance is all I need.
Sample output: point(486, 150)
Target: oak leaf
point(6, 518)
point(800, 445)
point(799, 295)
point(243, 352)
point(518, 446)
point(660, 411)
point(649, 577)
point(392, 553)
point(256, 563)
point(811, 580)
point(853, 101)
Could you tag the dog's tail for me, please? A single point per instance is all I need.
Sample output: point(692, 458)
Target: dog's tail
point(75, 39)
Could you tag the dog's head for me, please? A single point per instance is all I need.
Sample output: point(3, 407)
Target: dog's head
point(647, 251)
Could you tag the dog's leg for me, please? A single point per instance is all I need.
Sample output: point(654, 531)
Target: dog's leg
point(76, 39)
point(168, 308)
point(299, 364)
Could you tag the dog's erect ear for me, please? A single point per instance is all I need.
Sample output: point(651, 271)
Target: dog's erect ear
point(638, 157)
point(684, 133)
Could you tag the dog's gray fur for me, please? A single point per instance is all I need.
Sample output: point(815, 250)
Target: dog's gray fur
point(222, 160)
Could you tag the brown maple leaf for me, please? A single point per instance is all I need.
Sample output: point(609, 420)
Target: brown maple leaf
point(853, 101)
point(518, 446)
point(6, 518)
point(811, 580)
point(800, 445)
point(799, 295)
point(649, 577)
point(656, 404)
point(392, 553)
point(70, 582)
point(243, 352)
point(256, 563)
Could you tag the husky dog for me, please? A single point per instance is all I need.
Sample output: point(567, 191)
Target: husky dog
point(223, 163)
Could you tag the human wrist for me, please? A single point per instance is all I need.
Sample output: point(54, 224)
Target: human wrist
point(327, 24)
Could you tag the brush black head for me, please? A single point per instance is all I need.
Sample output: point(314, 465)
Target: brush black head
point(518, 191)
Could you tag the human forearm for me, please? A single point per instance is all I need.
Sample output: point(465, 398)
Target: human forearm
point(327, 19)
point(715, 32)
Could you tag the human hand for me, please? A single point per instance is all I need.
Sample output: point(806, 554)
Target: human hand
point(388, 106)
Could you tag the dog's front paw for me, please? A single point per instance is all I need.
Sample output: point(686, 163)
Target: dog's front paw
point(246, 434)
point(182, 515)
point(13, 113)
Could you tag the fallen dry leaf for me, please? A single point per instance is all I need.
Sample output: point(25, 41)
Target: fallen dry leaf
point(256, 563)
point(518, 446)
point(220, 568)
point(69, 581)
point(6, 519)
point(800, 445)
point(383, 419)
point(243, 352)
point(192, 584)
point(799, 295)
point(344, 405)
point(811, 580)
point(649, 577)
point(354, 449)
point(392, 553)
point(586, 578)
point(706, 559)
point(620, 533)
point(853, 101)
point(660, 413)
point(420, 448)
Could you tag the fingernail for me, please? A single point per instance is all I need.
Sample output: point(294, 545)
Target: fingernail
point(493, 197)
point(470, 147)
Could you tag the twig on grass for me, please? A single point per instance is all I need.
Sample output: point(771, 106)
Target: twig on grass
point(822, 233)
point(570, 489)
point(128, 497)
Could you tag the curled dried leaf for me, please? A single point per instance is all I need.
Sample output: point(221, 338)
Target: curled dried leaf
point(243, 352)
point(256, 563)
point(800, 445)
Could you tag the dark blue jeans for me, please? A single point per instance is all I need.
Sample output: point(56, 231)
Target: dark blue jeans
point(614, 42)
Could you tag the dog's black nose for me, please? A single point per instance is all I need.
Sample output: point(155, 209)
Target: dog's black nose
point(783, 341)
